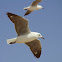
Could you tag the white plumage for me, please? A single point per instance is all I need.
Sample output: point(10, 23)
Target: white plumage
point(25, 38)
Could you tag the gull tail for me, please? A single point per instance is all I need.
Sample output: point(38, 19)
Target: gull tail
point(25, 8)
point(11, 41)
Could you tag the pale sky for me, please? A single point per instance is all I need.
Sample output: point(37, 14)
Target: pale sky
point(47, 21)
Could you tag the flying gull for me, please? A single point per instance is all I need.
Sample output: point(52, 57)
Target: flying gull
point(33, 6)
point(24, 35)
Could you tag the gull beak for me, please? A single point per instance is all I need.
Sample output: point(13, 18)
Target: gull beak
point(42, 38)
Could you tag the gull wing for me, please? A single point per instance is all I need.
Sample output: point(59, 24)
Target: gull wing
point(35, 47)
point(28, 12)
point(36, 2)
point(21, 24)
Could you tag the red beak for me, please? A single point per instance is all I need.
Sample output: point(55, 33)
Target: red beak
point(42, 38)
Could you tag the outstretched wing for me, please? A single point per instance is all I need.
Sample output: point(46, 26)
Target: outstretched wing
point(35, 47)
point(36, 2)
point(28, 12)
point(21, 24)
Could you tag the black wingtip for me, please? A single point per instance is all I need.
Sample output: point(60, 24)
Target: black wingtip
point(9, 14)
point(38, 54)
point(24, 15)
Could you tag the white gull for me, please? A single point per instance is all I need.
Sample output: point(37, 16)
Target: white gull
point(24, 35)
point(33, 6)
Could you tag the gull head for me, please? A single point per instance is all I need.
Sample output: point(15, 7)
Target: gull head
point(40, 7)
point(38, 35)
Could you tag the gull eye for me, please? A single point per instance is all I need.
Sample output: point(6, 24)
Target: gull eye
point(39, 35)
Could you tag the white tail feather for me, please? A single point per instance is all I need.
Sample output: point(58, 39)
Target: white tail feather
point(11, 40)
point(25, 8)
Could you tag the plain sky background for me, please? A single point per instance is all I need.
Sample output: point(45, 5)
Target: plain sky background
point(47, 21)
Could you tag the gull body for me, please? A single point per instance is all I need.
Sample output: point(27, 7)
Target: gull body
point(25, 38)
point(24, 35)
point(33, 7)
point(28, 37)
